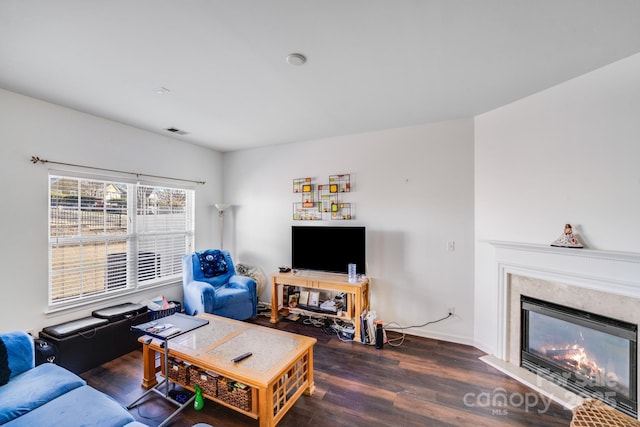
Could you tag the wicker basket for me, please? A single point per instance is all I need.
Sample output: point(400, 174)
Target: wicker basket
point(234, 393)
point(178, 371)
point(206, 380)
point(157, 314)
point(594, 413)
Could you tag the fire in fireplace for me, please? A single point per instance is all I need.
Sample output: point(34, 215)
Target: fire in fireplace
point(590, 355)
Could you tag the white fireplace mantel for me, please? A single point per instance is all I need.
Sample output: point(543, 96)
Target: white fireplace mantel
point(630, 257)
point(608, 281)
point(605, 271)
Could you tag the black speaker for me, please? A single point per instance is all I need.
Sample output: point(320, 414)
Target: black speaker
point(379, 336)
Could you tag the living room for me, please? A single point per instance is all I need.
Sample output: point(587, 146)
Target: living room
point(518, 172)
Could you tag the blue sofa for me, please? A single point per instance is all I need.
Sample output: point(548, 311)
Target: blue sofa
point(49, 395)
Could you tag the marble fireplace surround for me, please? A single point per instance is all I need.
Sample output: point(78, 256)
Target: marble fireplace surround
point(602, 282)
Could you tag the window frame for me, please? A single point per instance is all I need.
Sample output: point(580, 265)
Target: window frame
point(136, 267)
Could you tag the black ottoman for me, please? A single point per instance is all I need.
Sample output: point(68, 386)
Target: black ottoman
point(86, 343)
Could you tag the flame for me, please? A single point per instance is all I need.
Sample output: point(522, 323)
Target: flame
point(581, 358)
point(576, 359)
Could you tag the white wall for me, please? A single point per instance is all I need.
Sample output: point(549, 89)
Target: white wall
point(569, 154)
point(32, 127)
point(412, 189)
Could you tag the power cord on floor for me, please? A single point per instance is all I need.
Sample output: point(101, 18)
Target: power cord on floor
point(337, 329)
point(393, 342)
point(317, 322)
point(337, 333)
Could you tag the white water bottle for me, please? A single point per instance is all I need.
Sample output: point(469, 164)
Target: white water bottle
point(352, 273)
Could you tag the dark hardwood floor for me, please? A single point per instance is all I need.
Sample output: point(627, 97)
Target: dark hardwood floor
point(423, 382)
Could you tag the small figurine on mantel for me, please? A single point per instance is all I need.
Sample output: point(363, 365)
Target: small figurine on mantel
point(567, 239)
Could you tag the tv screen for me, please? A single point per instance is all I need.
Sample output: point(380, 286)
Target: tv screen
point(328, 248)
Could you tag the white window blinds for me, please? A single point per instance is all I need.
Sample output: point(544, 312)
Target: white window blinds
point(106, 236)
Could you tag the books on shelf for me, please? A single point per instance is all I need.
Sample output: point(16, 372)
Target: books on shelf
point(368, 321)
point(363, 327)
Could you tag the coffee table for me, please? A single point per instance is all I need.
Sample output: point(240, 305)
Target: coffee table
point(278, 372)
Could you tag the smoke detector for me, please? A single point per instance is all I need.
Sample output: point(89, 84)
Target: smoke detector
point(296, 59)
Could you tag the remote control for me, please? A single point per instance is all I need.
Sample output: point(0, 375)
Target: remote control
point(241, 357)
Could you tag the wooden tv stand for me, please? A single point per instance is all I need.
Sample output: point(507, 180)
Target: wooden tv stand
point(357, 294)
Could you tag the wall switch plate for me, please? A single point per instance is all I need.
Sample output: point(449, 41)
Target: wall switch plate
point(451, 246)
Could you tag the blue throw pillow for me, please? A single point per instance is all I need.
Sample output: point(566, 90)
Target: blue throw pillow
point(5, 371)
point(212, 263)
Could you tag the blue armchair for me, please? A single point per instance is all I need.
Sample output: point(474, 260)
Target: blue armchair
point(211, 285)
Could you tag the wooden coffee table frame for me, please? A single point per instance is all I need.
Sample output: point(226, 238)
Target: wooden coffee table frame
point(274, 391)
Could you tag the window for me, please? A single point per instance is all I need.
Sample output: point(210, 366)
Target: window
point(106, 237)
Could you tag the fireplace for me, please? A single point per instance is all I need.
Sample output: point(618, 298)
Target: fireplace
point(588, 354)
point(604, 283)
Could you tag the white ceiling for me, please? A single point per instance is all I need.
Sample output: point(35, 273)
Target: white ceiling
point(372, 64)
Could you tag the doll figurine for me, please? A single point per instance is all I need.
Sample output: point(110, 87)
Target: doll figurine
point(567, 239)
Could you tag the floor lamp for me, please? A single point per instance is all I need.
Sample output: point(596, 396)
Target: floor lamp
point(221, 207)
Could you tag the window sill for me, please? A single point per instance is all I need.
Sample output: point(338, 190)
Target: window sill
point(98, 301)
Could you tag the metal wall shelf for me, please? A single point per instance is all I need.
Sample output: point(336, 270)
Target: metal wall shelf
point(319, 202)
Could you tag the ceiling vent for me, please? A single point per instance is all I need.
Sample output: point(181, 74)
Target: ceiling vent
point(177, 131)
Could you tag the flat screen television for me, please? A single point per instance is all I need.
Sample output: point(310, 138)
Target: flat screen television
point(328, 248)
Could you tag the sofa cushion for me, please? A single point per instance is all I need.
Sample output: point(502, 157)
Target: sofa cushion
point(83, 406)
point(20, 351)
point(34, 388)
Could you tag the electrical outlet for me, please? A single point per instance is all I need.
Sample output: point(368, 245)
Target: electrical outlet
point(451, 246)
point(452, 311)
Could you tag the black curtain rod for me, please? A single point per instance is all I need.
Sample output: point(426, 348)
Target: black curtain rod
point(36, 159)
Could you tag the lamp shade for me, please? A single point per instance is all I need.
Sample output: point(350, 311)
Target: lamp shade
point(222, 206)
